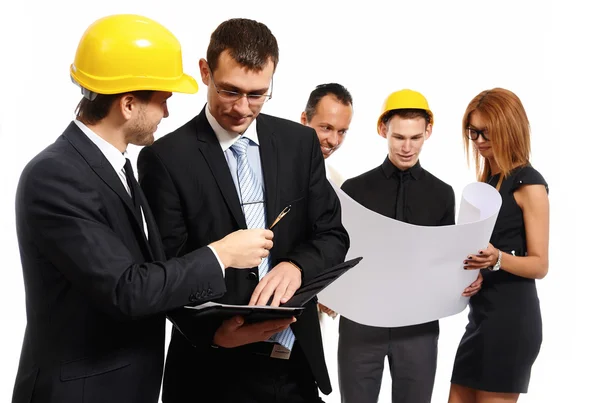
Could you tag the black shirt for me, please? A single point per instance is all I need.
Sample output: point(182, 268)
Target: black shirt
point(414, 196)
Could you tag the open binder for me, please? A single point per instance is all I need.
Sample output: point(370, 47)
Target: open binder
point(184, 317)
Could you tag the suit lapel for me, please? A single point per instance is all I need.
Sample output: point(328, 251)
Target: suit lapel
point(104, 170)
point(269, 162)
point(213, 153)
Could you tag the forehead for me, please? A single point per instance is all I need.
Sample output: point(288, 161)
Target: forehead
point(476, 120)
point(231, 73)
point(329, 107)
point(398, 124)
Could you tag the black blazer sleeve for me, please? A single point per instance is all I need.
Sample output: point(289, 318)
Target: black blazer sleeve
point(329, 242)
point(69, 226)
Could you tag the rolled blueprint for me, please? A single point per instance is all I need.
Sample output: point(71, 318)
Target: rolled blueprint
point(410, 274)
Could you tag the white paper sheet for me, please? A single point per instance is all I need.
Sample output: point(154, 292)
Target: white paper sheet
point(410, 274)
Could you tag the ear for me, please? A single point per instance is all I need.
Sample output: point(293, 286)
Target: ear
point(126, 106)
point(383, 130)
point(204, 71)
point(303, 119)
point(428, 131)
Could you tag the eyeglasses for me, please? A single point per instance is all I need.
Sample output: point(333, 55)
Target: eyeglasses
point(474, 134)
point(234, 96)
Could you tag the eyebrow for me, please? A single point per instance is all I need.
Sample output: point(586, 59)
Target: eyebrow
point(470, 126)
point(231, 87)
point(329, 125)
point(407, 135)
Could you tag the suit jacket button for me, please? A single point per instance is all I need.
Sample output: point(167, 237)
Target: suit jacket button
point(252, 276)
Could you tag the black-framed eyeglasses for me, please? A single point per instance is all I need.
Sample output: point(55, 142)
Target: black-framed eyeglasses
point(474, 133)
point(234, 96)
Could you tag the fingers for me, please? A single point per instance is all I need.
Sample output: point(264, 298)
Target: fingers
point(233, 323)
point(257, 290)
point(263, 291)
point(268, 244)
point(477, 262)
point(289, 293)
point(275, 326)
point(469, 293)
point(474, 287)
point(267, 292)
point(280, 291)
point(268, 234)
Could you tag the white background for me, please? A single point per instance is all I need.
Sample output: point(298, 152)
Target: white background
point(449, 50)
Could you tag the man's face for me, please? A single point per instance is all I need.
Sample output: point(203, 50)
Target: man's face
point(235, 115)
point(141, 128)
point(405, 139)
point(331, 122)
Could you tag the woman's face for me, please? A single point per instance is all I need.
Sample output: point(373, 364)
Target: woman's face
point(479, 134)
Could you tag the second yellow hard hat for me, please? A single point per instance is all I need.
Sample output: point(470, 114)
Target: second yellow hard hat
point(405, 99)
point(126, 52)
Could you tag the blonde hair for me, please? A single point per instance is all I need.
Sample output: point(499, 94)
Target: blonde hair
point(507, 128)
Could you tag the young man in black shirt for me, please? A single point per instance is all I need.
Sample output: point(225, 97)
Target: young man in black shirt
point(400, 188)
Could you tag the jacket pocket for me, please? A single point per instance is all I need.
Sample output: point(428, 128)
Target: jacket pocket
point(91, 366)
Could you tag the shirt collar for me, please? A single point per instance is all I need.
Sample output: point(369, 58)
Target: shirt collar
point(112, 154)
point(226, 138)
point(389, 169)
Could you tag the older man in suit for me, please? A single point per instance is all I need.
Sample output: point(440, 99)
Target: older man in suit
point(97, 283)
point(232, 167)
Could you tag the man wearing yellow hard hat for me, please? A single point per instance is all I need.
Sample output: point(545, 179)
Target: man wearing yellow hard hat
point(97, 283)
point(399, 188)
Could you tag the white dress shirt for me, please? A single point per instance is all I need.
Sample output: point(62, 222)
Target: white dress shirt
point(333, 175)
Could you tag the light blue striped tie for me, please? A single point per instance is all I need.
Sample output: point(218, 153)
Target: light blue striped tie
point(252, 196)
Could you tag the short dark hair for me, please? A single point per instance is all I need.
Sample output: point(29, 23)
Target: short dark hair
point(406, 114)
point(337, 90)
point(92, 112)
point(250, 43)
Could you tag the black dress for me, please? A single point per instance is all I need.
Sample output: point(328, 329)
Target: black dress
point(504, 333)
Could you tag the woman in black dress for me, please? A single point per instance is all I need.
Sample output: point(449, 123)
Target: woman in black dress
point(504, 334)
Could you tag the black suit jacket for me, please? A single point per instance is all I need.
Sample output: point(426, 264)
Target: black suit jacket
point(190, 189)
point(95, 304)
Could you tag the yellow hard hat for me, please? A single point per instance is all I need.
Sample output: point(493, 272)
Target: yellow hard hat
point(126, 52)
point(405, 99)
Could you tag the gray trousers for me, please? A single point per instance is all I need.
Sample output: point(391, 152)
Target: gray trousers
point(412, 356)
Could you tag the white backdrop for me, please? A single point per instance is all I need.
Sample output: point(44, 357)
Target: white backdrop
point(449, 50)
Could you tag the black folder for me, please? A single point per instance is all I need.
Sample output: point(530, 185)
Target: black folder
point(184, 317)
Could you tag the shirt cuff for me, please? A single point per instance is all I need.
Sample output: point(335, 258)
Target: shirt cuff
point(218, 260)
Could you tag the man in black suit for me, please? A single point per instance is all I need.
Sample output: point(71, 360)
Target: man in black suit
point(402, 189)
point(97, 283)
point(232, 167)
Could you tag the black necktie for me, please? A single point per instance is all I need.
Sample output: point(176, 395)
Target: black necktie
point(135, 191)
point(403, 177)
